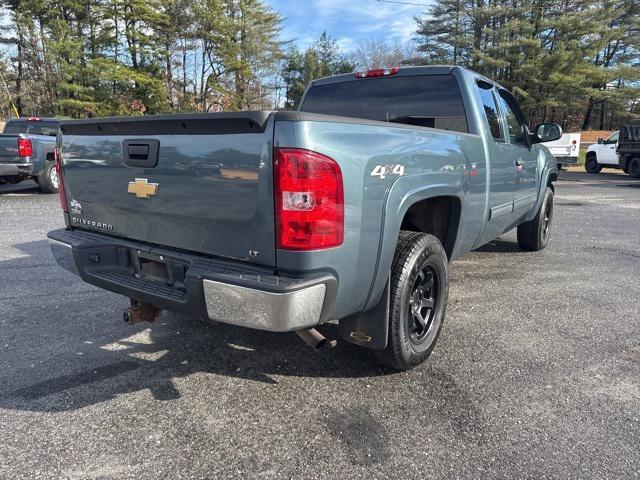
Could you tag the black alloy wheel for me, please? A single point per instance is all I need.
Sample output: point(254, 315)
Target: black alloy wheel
point(423, 299)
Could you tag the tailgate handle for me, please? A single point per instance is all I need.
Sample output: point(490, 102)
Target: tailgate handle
point(140, 153)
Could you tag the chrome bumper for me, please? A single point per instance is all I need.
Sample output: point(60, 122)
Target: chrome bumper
point(299, 305)
point(276, 312)
point(7, 169)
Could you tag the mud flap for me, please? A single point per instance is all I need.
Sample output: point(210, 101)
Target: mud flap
point(368, 329)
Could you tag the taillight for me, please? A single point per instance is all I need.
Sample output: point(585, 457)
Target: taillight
point(378, 72)
point(25, 148)
point(574, 142)
point(58, 167)
point(309, 200)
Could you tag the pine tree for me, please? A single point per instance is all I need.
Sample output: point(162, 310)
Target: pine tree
point(553, 54)
point(322, 59)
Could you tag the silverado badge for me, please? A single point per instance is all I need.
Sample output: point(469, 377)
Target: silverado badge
point(142, 188)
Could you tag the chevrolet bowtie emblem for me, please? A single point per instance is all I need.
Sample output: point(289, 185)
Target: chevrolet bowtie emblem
point(142, 188)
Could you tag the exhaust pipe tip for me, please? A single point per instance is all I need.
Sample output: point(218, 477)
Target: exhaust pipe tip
point(314, 339)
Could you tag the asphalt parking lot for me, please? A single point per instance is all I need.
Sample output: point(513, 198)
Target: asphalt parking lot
point(536, 374)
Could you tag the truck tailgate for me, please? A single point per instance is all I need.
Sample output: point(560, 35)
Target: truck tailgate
point(9, 148)
point(201, 183)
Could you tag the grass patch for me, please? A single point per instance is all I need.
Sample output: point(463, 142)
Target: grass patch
point(582, 155)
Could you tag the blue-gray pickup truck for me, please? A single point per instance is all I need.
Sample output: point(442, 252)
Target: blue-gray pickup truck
point(27, 152)
point(350, 209)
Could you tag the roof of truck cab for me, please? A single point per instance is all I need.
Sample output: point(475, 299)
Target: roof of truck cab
point(33, 118)
point(409, 70)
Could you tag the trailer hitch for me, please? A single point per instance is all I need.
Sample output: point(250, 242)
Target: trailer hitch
point(140, 312)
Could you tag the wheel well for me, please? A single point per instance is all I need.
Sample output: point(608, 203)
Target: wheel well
point(553, 177)
point(438, 216)
point(591, 154)
point(50, 157)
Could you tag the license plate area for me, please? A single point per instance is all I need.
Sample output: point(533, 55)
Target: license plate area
point(153, 270)
point(160, 269)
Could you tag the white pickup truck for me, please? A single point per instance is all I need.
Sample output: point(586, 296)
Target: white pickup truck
point(604, 154)
point(566, 149)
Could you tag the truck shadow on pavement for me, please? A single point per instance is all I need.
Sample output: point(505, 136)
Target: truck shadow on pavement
point(71, 349)
point(176, 348)
point(499, 246)
point(25, 188)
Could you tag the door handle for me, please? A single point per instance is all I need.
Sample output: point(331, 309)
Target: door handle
point(519, 163)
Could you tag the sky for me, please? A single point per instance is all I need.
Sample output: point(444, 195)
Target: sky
point(351, 22)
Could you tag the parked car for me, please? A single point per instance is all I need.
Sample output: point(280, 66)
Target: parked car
point(604, 154)
point(629, 149)
point(350, 209)
point(27, 152)
point(566, 149)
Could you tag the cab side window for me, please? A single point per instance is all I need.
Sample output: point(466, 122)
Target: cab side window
point(613, 138)
point(514, 119)
point(490, 109)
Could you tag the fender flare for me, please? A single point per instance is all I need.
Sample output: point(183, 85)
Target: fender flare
point(370, 327)
point(548, 171)
point(402, 194)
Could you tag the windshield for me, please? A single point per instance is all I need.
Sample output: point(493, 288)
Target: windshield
point(36, 127)
point(424, 100)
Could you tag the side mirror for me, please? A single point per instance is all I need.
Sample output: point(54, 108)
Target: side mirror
point(600, 141)
point(548, 132)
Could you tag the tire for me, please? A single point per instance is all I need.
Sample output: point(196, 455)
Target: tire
point(534, 235)
point(48, 179)
point(419, 277)
point(591, 165)
point(634, 167)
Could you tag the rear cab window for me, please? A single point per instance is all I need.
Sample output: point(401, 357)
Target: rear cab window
point(36, 127)
point(432, 101)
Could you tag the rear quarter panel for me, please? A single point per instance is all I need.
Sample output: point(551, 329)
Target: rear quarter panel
point(43, 147)
point(435, 163)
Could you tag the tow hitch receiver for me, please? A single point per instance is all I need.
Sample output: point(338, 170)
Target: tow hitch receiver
point(140, 312)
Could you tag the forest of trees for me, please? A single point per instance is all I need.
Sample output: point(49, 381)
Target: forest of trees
point(575, 62)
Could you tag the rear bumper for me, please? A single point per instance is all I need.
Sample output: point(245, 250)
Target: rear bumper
point(567, 160)
point(23, 169)
point(229, 292)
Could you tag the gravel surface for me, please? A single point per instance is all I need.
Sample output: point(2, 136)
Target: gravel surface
point(536, 373)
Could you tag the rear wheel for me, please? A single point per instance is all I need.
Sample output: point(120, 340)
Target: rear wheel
point(419, 293)
point(634, 167)
point(534, 235)
point(591, 164)
point(48, 179)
